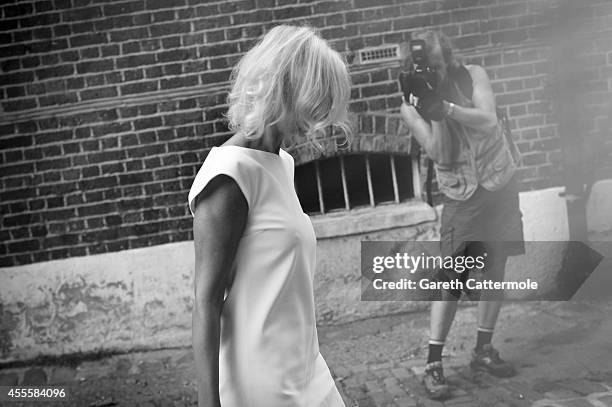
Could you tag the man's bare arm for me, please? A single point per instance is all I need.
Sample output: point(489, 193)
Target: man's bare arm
point(435, 139)
point(482, 116)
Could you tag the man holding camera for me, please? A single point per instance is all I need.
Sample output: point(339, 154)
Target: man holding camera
point(450, 110)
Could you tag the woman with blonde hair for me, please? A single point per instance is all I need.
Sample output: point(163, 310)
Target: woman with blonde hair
point(254, 334)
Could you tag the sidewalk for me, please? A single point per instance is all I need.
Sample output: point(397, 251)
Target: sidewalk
point(563, 352)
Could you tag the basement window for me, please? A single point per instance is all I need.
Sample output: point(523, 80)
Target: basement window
point(356, 181)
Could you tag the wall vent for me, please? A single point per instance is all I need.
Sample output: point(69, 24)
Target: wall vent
point(379, 54)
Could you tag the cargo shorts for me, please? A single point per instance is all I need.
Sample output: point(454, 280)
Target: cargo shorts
point(488, 224)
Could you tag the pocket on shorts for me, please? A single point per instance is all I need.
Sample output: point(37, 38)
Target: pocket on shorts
point(500, 172)
point(448, 180)
point(504, 161)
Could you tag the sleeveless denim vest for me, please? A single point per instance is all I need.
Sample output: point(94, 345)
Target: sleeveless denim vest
point(484, 160)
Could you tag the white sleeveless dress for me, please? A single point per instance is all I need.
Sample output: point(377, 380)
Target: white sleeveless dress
point(269, 354)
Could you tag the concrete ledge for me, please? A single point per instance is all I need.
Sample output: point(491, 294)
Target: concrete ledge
point(366, 220)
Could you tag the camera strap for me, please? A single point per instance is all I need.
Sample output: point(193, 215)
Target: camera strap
point(502, 118)
point(429, 180)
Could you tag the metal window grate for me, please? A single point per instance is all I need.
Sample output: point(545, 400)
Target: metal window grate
point(365, 180)
point(379, 54)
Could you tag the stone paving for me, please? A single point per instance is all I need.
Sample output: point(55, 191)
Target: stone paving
point(389, 375)
point(563, 353)
point(399, 387)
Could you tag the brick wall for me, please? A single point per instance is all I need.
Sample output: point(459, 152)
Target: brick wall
point(109, 107)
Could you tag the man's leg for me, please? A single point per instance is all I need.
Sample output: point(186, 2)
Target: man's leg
point(485, 357)
point(456, 228)
point(490, 301)
point(503, 227)
point(488, 312)
point(441, 318)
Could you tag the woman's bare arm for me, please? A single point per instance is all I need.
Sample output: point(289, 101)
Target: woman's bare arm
point(218, 225)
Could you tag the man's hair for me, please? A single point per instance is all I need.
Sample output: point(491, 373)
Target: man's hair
point(290, 72)
point(433, 38)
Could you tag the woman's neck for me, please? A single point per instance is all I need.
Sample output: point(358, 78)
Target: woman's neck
point(270, 141)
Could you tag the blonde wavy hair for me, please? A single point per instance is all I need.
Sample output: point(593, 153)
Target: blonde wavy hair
point(290, 73)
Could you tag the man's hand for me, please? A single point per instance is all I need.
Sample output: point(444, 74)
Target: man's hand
point(437, 144)
point(408, 110)
point(416, 84)
point(420, 94)
point(431, 106)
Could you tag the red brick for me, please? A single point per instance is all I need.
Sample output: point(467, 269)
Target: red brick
point(57, 99)
point(14, 78)
point(123, 7)
point(165, 29)
point(471, 41)
point(179, 82)
point(139, 87)
point(80, 14)
point(15, 142)
point(514, 98)
point(21, 247)
point(88, 39)
point(508, 10)
point(215, 77)
point(468, 14)
point(40, 20)
point(95, 66)
point(135, 60)
point(18, 10)
point(99, 93)
point(510, 36)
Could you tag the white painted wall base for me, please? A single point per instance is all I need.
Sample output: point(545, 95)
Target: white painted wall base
point(143, 298)
point(123, 300)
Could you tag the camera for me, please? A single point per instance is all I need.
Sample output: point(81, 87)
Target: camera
point(420, 75)
point(421, 80)
point(420, 64)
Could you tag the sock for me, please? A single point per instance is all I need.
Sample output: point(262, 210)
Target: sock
point(435, 351)
point(483, 337)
